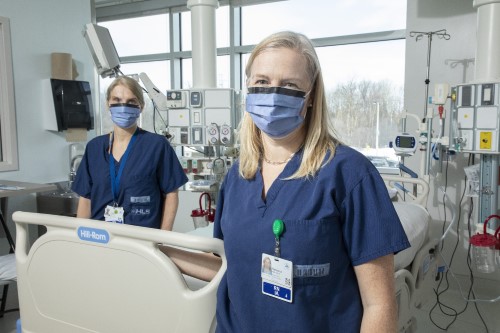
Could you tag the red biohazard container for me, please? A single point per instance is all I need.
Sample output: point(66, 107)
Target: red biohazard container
point(484, 248)
point(200, 216)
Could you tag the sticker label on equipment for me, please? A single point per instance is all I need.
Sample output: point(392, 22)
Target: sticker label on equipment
point(93, 235)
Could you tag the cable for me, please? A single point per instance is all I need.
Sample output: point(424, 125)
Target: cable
point(438, 141)
point(155, 111)
point(438, 293)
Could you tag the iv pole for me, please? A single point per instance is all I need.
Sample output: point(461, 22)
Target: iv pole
point(418, 35)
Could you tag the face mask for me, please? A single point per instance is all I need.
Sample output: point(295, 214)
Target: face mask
point(275, 110)
point(124, 115)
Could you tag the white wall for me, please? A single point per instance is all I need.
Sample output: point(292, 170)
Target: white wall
point(458, 17)
point(39, 28)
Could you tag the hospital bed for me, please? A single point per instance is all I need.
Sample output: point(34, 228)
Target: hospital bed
point(91, 276)
point(416, 267)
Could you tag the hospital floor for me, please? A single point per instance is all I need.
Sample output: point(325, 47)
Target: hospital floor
point(434, 317)
point(467, 322)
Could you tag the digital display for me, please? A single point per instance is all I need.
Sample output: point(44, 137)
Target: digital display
point(405, 142)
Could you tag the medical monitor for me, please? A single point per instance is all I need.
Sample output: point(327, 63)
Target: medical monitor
point(103, 49)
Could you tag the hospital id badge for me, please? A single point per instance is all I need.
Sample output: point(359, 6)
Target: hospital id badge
point(113, 214)
point(277, 277)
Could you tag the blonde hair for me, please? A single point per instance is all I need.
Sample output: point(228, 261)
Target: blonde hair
point(319, 134)
point(131, 84)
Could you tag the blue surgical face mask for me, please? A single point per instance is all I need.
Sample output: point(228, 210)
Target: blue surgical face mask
point(124, 115)
point(275, 110)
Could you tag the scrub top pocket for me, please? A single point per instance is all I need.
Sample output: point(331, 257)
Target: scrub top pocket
point(142, 197)
point(314, 247)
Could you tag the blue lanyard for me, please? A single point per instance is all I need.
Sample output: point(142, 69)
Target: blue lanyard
point(115, 178)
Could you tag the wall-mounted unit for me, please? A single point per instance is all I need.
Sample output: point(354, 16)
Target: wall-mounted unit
point(475, 118)
point(69, 105)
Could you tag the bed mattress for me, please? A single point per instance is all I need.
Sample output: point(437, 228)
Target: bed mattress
point(415, 220)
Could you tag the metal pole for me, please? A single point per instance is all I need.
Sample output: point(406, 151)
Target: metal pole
point(418, 35)
point(378, 129)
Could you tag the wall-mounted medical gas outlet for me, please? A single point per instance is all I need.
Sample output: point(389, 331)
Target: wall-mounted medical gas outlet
point(475, 118)
point(195, 114)
point(213, 134)
point(226, 136)
point(176, 99)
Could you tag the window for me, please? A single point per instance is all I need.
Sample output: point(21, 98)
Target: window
point(223, 80)
point(8, 146)
point(140, 35)
point(363, 70)
point(364, 90)
point(319, 19)
point(361, 46)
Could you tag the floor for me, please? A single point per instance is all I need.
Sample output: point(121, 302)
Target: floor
point(8, 322)
point(467, 322)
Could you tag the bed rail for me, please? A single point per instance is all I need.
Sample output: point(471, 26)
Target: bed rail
point(408, 189)
point(92, 276)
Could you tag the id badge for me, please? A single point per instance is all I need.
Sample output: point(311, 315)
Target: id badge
point(113, 214)
point(277, 277)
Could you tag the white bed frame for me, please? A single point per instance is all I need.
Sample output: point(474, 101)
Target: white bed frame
point(414, 282)
point(92, 276)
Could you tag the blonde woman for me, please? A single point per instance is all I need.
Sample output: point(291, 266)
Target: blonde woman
point(317, 208)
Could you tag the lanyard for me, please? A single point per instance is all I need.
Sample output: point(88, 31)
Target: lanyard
point(278, 228)
point(115, 178)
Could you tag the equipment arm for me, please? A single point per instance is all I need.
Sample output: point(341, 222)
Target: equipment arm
point(158, 98)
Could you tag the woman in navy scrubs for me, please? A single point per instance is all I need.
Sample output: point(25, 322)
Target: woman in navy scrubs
point(316, 207)
point(130, 175)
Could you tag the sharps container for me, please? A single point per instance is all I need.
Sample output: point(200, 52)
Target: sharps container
point(484, 252)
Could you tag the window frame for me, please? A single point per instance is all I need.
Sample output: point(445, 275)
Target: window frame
point(9, 160)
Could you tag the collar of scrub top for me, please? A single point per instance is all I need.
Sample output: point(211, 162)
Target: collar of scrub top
point(115, 177)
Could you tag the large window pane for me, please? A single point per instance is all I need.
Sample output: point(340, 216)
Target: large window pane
point(187, 73)
point(322, 18)
point(364, 87)
point(223, 70)
point(157, 71)
point(141, 35)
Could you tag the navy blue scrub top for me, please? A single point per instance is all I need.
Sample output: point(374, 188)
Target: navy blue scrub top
point(151, 170)
point(340, 218)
